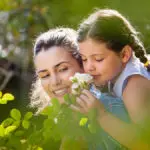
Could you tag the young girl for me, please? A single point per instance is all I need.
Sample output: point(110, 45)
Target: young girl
point(113, 54)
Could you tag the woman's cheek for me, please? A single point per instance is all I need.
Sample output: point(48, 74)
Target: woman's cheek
point(67, 75)
point(44, 85)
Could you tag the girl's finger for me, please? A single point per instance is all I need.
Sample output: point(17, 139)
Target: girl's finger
point(88, 94)
point(75, 108)
point(80, 102)
point(86, 100)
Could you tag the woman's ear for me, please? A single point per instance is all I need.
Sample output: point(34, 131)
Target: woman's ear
point(126, 53)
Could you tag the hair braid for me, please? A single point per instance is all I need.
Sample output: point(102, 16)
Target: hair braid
point(139, 51)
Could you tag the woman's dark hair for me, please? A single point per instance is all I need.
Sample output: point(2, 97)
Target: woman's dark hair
point(61, 37)
point(109, 26)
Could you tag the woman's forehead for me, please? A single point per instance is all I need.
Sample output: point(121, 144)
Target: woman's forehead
point(54, 57)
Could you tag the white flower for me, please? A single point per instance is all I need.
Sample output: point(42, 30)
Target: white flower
point(82, 77)
point(75, 87)
point(80, 81)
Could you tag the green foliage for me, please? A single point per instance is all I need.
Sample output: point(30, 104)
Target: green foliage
point(5, 98)
point(83, 121)
point(13, 129)
point(58, 121)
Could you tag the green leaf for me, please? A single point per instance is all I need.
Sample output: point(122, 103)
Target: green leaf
point(47, 110)
point(73, 98)
point(48, 123)
point(67, 99)
point(19, 133)
point(2, 131)
point(28, 115)
point(83, 121)
point(16, 123)
point(91, 128)
point(35, 137)
point(85, 85)
point(74, 80)
point(15, 114)
point(8, 97)
point(39, 148)
point(25, 124)
point(7, 122)
point(56, 104)
point(1, 94)
point(9, 129)
point(3, 101)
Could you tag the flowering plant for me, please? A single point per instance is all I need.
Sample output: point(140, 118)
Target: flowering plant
point(84, 81)
point(80, 82)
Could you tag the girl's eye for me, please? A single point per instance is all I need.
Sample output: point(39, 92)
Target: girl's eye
point(63, 69)
point(99, 60)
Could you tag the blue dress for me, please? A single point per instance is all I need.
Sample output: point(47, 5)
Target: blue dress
point(115, 106)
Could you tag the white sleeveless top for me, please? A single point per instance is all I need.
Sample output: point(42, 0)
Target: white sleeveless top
point(133, 67)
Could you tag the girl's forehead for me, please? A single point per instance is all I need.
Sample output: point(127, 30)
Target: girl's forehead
point(93, 47)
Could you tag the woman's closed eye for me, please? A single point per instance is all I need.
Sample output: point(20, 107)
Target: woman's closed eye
point(63, 69)
point(43, 75)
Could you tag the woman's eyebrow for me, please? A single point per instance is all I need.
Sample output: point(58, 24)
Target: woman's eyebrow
point(44, 70)
point(62, 62)
point(56, 66)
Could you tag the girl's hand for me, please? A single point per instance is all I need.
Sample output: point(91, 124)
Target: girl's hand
point(86, 102)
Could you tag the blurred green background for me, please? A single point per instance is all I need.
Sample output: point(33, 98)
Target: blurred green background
point(22, 20)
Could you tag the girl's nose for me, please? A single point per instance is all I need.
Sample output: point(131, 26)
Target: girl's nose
point(89, 67)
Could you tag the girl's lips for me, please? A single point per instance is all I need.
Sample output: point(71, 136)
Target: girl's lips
point(95, 76)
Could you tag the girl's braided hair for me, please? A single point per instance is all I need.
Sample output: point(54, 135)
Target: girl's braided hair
point(109, 26)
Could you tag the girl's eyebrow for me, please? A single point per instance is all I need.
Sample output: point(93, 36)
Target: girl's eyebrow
point(92, 54)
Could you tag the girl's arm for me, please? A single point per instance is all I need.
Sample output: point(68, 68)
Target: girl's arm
point(136, 97)
point(128, 134)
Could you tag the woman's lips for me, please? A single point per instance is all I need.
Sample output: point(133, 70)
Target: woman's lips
point(60, 92)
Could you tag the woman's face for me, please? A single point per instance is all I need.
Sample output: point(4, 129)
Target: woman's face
point(99, 61)
point(54, 67)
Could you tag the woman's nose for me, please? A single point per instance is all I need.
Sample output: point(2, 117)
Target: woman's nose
point(55, 80)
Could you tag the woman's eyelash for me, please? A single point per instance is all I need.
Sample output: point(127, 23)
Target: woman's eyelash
point(45, 76)
point(63, 69)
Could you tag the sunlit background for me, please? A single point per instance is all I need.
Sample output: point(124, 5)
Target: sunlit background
point(22, 20)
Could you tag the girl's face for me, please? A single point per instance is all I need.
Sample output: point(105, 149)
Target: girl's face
point(54, 68)
point(99, 61)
